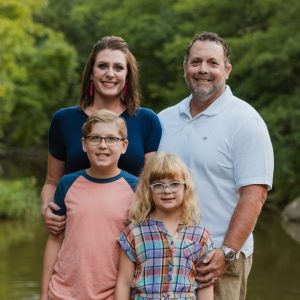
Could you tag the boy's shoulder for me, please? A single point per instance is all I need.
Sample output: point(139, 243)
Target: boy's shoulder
point(131, 179)
point(68, 179)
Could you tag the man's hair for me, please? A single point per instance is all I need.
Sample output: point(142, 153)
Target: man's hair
point(104, 116)
point(164, 166)
point(211, 37)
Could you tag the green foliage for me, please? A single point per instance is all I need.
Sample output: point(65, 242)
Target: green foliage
point(19, 199)
point(266, 66)
point(33, 59)
point(40, 68)
point(282, 117)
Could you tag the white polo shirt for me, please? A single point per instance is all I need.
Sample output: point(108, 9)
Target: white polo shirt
point(227, 146)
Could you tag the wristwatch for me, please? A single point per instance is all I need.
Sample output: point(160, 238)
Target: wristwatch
point(230, 255)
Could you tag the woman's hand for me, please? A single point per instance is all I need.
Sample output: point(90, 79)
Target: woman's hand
point(54, 223)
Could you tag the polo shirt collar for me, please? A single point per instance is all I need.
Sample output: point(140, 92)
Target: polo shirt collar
point(212, 110)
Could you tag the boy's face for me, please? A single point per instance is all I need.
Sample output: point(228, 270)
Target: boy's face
point(104, 154)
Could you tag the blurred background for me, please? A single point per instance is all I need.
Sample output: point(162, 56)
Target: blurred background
point(43, 48)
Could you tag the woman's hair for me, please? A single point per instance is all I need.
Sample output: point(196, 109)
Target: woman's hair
point(132, 98)
point(164, 166)
point(104, 116)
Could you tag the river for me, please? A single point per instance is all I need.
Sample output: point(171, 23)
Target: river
point(275, 273)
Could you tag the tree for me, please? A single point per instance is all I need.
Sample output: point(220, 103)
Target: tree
point(37, 68)
point(263, 35)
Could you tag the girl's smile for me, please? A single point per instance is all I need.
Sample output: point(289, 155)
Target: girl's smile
point(168, 195)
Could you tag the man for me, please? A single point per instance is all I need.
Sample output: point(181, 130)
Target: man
point(226, 145)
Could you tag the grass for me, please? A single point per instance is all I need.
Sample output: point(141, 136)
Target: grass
point(19, 199)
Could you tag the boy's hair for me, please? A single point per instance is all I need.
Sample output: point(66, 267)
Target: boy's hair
point(211, 37)
point(164, 166)
point(104, 116)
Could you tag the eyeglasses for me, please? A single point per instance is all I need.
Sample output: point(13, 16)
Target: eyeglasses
point(159, 187)
point(95, 140)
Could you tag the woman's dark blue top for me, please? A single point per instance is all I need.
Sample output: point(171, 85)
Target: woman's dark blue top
point(144, 133)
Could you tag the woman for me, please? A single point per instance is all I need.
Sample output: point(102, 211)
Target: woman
point(110, 81)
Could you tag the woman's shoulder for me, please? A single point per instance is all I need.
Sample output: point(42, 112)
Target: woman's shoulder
point(143, 118)
point(143, 112)
point(146, 111)
point(68, 115)
point(66, 111)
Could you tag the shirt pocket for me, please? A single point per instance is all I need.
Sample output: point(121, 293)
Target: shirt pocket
point(191, 250)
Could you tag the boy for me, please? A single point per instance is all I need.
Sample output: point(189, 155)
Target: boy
point(81, 263)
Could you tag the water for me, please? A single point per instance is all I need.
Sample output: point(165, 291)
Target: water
point(275, 274)
point(21, 251)
point(276, 268)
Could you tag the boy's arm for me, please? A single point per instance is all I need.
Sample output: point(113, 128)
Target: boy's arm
point(50, 256)
point(206, 293)
point(125, 277)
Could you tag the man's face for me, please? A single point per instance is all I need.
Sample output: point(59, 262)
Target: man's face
point(205, 71)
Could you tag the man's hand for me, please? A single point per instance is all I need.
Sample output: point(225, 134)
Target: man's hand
point(211, 268)
point(54, 223)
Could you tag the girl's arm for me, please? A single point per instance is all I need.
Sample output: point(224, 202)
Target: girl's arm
point(50, 256)
point(125, 278)
point(206, 293)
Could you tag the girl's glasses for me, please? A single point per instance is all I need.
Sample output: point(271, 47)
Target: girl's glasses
point(159, 187)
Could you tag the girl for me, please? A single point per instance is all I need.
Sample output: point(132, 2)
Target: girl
point(164, 243)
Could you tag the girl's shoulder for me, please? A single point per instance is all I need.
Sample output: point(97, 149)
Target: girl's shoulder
point(136, 228)
point(197, 232)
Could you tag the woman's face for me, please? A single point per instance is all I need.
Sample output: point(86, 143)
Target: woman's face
point(109, 73)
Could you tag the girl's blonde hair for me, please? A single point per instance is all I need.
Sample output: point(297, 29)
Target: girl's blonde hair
point(164, 166)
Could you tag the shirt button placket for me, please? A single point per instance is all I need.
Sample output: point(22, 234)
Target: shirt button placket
point(170, 260)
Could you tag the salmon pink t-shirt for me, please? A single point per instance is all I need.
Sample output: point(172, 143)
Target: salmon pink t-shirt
point(86, 267)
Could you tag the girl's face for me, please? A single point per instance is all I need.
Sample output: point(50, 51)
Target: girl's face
point(109, 73)
point(168, 195)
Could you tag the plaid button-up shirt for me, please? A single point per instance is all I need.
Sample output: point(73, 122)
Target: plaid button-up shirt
point(165, 265)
